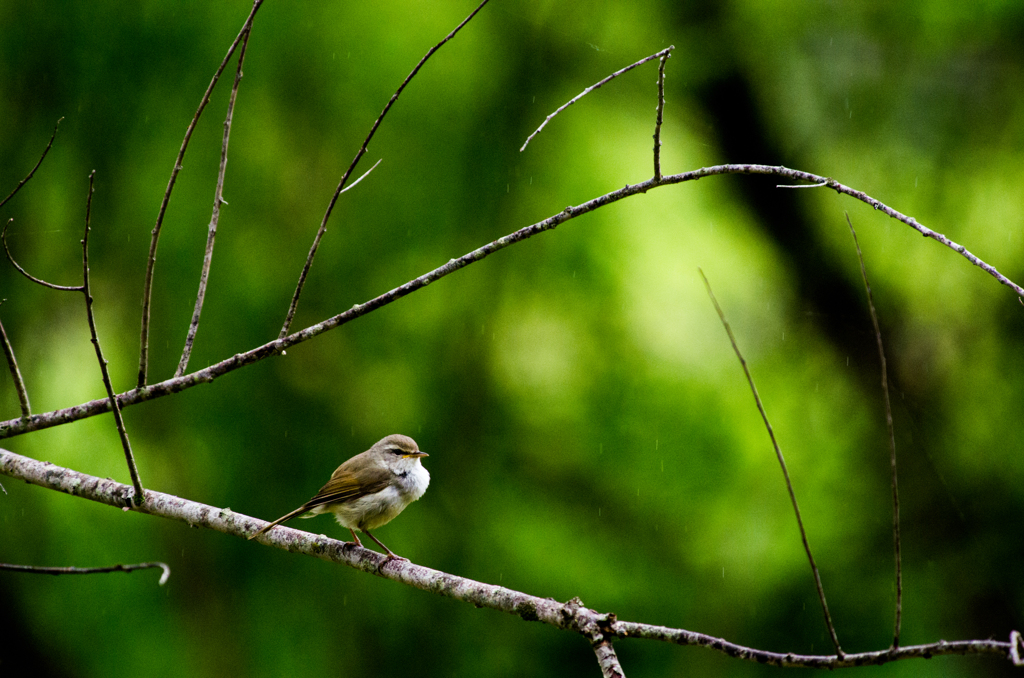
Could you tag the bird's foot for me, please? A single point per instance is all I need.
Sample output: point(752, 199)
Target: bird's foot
point(387, 559)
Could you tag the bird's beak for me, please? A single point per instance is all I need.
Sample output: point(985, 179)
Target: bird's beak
point(415, 455)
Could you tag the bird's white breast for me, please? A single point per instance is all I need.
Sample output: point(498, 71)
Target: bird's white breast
point(373, 510)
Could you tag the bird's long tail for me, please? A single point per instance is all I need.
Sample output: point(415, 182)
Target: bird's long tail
point(297, 512)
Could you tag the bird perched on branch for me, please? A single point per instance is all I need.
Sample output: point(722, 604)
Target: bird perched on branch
point(370, 489)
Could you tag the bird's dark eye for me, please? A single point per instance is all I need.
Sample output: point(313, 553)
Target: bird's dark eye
point(395, 450)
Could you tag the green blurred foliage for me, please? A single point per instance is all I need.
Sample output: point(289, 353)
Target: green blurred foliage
point(590, 430)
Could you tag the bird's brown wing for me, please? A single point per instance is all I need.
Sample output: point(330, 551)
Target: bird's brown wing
point(343, 486)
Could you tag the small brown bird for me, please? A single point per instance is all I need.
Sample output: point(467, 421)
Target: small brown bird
point(370, 489)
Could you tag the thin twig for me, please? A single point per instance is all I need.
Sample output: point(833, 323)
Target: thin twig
point(293, 306)
point(568, 616)
point(591, 89)
point(782, 463)
point(40, 162)
point(14, 427)
point(133, 471)
point(892, 441)
point(361, 177)
point(625, 629)
point(10, 258)
point(820, 184)
point(218, 200)
point(661, 112)
point(35, 569)
point(820, 181)
point(147, 292)
point(19, 383)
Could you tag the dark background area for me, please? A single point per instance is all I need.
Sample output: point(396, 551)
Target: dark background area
point(590, 430)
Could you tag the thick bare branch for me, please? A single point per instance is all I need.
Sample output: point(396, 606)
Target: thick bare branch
point(293, 306)
point(892, 442)
point(571, 616)
point(15, 427)
point(36, 569)
point(147, 292)
point(782, 463)
point(608, 660)
point(597, 629)
point(218, 200)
